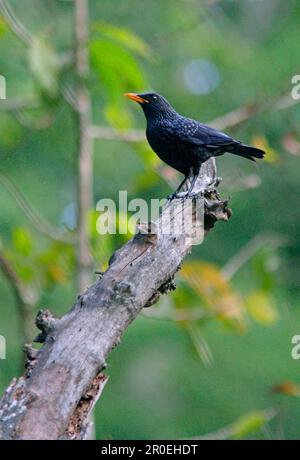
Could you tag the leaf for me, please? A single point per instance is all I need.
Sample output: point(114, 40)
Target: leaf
point(215, 292)
point(287, 388)
point(144, 181)
point(25, 272)
point(55, 263)
point(57, 274)
point(117, 70)
point(3, 26)
point(111, 59)
point(22, 241)
point(11, 132)
point(124, 37)
point(102, 246)
point(117, 116)
point(265, 264)
point(205, 278)
point(44, 64)
point(261, 307)
point(249, 423)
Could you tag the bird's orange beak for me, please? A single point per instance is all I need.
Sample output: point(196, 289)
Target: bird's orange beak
point(135, 97)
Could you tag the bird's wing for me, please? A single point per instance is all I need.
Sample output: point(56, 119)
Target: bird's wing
point(210, 137)
point(202, 135)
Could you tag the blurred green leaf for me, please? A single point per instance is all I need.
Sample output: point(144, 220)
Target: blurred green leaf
point(265, 264)
point(261, 307)
point(44, 65)
point(104, 245)
point(118, 70)
point(261, 142)
point(56, 263)
point(3, 26)
point(11, 132)
point(26, 272)
point(215, 293)
point(249, 423)
point(22, 241)
point(117, 115)
point(113, 60)
point(123, 36)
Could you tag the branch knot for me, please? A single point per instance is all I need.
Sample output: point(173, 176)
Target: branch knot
point(46, 323)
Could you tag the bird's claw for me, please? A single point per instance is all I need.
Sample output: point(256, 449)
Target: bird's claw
point(194, 194)
point(172, 196)
point(177, 195)
point(184, 195)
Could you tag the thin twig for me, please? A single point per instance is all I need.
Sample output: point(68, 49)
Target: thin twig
point(229, 431)
point(110, 134)
point(234, 118)
point(227, 121)
point(248, 251)
point(85, 143)
point(179, 315)
point(25, 35)
point(16, 26)
point(38, 221)
point(23, 299)
point(70, 96)
point(10, 105)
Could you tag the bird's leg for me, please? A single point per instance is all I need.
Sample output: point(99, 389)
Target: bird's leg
point(194, 173)
point(174, 194)
point(190, 191)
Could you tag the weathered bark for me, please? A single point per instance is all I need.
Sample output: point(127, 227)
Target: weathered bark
point(64, 378)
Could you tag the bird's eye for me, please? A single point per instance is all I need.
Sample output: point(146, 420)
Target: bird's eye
point(154, 97)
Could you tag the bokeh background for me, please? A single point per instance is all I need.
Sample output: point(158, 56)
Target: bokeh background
point(216, 354)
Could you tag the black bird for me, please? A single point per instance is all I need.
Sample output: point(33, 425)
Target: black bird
point(184, 143)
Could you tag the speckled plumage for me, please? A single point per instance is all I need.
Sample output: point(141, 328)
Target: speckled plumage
point(184, 143)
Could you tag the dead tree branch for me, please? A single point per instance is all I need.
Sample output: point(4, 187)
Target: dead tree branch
point(39, 222)
point(54, 398)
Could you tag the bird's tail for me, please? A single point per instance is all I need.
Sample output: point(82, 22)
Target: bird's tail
point(246, 151)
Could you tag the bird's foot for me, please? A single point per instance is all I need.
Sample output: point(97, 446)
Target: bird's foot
point(217, 181)
point(186, 194)
point(190, 194)
point(180, 195)
point(174, 195)
point(171, 196)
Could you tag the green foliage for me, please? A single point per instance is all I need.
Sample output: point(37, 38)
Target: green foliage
point(11, 133)
point(38, 265)
point(124, 37)
point(22, 241)
point(3, 26)
point(249, 424)
point(44, 66)
point(261, 307)
point(215, 293)
point(114, 54)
